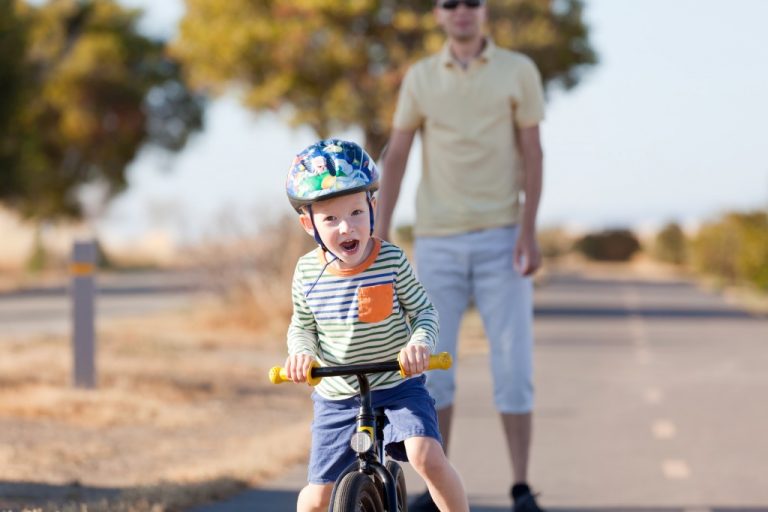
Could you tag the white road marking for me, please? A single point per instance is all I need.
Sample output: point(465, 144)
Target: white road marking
point(663, 429)
point(675, 469)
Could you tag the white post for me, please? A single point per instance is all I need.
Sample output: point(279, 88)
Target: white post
point(83, 293)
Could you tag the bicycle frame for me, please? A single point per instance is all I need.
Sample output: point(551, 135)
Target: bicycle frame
point(369, 423)
point(370, 461)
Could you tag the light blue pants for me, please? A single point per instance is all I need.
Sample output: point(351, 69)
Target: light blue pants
point(478, 266)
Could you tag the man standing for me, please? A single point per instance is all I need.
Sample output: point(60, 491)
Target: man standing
point(477, 108)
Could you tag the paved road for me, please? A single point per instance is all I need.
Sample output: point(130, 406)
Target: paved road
point(45, 310)
point(651, 397)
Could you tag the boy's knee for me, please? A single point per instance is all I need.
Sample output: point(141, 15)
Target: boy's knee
point(425, 454)
point(315, 498)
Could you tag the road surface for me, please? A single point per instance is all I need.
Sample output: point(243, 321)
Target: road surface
point(651, 396)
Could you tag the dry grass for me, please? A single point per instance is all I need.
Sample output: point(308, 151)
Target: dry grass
point(183, 414)
point(252, 273)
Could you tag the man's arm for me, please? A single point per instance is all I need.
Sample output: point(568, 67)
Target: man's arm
point(527, 256)
point(393, 170)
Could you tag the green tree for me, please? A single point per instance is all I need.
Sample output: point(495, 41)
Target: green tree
point(81, 91)
point(331, 64)
point(670, 244)
point(734, 248)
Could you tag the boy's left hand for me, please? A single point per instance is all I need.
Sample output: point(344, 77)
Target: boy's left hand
point(414, 359)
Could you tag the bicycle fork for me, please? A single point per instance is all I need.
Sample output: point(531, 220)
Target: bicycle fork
point(368, 443)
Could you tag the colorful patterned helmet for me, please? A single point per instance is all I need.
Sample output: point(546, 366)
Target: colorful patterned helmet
point(330, 168)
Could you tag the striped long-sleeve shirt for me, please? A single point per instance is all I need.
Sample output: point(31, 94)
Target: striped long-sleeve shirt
point(359, 315)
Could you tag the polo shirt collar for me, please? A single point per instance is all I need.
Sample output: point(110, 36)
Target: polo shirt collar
point(447, 59)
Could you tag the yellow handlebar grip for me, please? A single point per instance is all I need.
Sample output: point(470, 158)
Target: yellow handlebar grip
point(441, 361)
point(277, 375)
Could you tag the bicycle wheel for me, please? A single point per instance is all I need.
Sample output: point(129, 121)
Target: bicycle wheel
point(356, 492)
point(399, 477)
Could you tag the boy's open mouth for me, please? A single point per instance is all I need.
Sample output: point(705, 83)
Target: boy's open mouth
point(350, 245)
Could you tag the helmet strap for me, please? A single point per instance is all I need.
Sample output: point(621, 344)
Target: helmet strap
point(369, 197)
point(317, 234)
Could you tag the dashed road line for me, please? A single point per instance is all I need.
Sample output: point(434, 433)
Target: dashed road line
point(675, 469)
point(663, 429)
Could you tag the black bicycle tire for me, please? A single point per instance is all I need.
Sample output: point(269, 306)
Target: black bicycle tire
point(399, 477)
point(356, 492)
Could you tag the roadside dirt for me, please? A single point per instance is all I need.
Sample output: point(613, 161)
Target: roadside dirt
point(183, 413)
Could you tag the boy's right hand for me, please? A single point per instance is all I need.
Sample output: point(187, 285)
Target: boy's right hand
point(297, 367)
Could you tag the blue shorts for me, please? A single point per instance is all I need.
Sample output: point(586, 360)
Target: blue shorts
point(410, 412)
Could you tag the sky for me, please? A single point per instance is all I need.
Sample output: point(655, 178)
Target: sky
point(671, 125)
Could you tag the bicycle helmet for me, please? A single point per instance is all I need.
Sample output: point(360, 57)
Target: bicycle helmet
point(330, 168)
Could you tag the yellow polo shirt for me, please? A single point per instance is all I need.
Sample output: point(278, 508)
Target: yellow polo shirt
point(471, 167)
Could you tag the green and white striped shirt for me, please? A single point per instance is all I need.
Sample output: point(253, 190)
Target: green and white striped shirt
point(359, 315)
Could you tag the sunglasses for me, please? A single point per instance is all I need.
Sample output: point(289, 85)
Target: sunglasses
point(453, 4)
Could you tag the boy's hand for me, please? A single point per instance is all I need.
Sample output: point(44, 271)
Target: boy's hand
point(297, 367)
point(414, 359)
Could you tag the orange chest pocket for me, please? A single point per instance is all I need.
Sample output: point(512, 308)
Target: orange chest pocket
point(374, 303)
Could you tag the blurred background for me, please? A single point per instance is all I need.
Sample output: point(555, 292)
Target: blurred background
point(163, 132)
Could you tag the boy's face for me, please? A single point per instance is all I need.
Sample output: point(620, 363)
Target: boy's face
point(344, 226)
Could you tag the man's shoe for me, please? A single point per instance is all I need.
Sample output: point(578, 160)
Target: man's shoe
point(423, 503)
point(524, 500)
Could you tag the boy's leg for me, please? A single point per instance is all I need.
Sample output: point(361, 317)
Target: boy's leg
point(314, 498)
point(428, 459)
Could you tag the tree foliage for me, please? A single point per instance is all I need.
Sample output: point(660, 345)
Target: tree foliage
point(734, 248)
point(609, 245)
point(670, 244)
point(81, 91)
point(338, 63)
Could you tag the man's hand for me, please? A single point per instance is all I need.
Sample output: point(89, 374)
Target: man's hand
point(414, 359)
point(297, 367)
point(527, 255)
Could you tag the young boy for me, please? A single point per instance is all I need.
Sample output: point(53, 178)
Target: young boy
point(356, 300)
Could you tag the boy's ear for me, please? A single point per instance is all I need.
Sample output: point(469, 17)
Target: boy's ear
point(306, 223)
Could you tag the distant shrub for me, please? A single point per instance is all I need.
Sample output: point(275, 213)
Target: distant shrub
point(670, 244)
point(609, 245)
point(554, 242)
point(734, 248)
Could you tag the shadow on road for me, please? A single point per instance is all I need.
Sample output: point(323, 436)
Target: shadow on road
point(619, 312)
point(640, 509)
point(21, 495)
point(17, 496)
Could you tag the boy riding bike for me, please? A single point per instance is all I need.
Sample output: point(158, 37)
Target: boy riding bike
point(356, 300)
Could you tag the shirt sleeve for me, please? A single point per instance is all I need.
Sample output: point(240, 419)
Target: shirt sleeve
point(302, 331)
point(408, 112)
point(421, 314)
point(529, 110)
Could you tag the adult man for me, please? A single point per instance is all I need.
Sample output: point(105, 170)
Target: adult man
point(477, 108)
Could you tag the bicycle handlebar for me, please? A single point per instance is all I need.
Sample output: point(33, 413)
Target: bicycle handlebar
point(277, 375)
